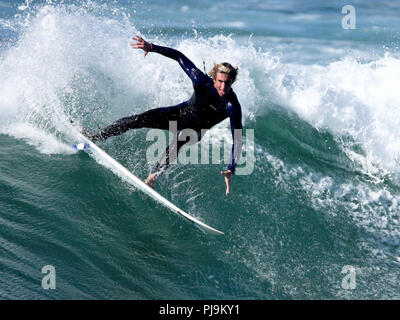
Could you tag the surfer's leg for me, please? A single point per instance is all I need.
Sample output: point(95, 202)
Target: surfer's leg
point(168, 157)
point(157, 118)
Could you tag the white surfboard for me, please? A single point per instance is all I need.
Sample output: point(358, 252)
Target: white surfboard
point(136, 182)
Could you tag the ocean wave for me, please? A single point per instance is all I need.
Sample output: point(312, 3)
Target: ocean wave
point(72, 62)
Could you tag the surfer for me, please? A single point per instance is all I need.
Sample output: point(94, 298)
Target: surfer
point(213, 101)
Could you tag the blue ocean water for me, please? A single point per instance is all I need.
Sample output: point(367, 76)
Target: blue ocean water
point(324, 195)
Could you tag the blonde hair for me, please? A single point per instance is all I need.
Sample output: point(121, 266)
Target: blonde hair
point(224, 67)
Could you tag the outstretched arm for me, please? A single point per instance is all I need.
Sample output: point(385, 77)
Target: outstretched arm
point(235, 116)
point(197, 77)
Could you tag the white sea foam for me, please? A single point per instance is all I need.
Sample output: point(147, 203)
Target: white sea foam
point(353, 99)
point(52, 63)
point(46, 143)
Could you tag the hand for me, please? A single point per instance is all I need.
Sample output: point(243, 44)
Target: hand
point(141, 44)
point(228, 177)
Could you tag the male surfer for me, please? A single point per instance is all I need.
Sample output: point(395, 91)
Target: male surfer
point(213, 100)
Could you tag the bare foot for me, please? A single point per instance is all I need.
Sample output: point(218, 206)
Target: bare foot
point(151, 179)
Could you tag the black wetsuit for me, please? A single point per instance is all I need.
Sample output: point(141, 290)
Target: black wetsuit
point(202, 111)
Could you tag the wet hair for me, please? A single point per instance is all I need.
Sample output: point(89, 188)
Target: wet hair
point(224, 67)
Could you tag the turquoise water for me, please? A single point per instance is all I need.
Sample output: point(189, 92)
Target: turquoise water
point(324, 193)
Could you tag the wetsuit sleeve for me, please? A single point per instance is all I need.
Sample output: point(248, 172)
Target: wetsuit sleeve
point(235, 117)
point(198, 78)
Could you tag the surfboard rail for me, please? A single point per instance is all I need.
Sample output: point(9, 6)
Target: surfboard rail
point(138, 183)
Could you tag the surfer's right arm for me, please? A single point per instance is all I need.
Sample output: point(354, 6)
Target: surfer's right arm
point(198, 78)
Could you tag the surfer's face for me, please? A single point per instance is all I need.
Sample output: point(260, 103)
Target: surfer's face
point(222, 83)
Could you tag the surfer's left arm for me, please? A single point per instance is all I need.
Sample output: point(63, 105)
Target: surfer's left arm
point(235, 117)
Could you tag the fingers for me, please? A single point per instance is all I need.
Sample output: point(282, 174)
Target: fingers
point(139, 44)
point(138, 38)
point(228, 176)
point(227, 182)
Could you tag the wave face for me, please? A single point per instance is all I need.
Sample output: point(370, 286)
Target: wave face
point(324, 193)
